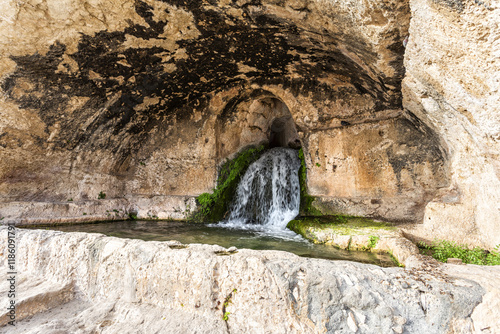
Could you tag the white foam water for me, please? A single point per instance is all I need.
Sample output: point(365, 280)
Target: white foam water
point(268, 195)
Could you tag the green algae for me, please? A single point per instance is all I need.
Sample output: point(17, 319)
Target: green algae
point(340, 224)
point(306, 201)
point(344, 232)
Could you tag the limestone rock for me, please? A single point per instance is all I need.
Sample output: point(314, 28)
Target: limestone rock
point(33, 295)
point(148, 286)
point(144, 100)
point(452, 84)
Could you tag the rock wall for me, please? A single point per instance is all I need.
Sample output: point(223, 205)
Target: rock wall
point(144, 100)
point(89, 282)
point(452, 84)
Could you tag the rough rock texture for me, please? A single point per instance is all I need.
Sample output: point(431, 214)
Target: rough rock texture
point(130, 286)
point(452, 84)
point(142, 99)
point(147, 207)
point(357, 234)
point(38, 295)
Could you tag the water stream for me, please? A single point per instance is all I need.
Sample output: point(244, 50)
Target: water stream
point(194, 233)
point(267, 198)
point(268, 195)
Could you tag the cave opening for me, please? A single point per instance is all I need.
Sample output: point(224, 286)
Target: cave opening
point(279, 127)
point(282, 133)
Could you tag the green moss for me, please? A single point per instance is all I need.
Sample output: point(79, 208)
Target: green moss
point(373, 241)
point(345, 232)
point(213, 207)
point(306, 201)
point(442, 250)
point(303, 228)
point(342, 225)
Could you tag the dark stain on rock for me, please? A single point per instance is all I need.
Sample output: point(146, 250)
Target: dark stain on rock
point(117, 80)
point(418, 145)
point(456, 5)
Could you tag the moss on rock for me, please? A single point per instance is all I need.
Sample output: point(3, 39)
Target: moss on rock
point(213, 207)
point(346, 232)
point(306, 201)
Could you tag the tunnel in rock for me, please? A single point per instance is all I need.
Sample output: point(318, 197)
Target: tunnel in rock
point(257, 118)
point(283, 133)
point(280, 128)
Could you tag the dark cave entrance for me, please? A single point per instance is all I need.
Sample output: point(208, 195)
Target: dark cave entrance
point(281, 130)
point(282, 133)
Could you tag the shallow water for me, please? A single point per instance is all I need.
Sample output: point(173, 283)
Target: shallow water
point(188, 233)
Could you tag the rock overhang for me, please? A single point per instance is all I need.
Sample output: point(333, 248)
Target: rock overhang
point(147, 103)
point(132, 80)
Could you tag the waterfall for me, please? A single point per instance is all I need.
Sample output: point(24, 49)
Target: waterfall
point(268, 195)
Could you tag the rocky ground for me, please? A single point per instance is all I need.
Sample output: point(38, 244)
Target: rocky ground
point(89, 283)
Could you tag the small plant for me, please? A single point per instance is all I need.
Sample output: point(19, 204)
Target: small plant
point(318, 164)
point(442, 250)
point(373, 241)
point(132, 216)
point(84, 213)
point(493, 258)
point(142, 163)
point(70, 200)
point(227, 301)
point(101, 195)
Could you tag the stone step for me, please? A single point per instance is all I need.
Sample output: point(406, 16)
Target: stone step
point(32, 295)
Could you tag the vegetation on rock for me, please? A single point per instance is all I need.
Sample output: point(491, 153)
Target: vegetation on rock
point(344, 225)
point(373, 241)
point(227, 301)
point(306, 200)
point(214, 206)
point(346, 232)
point(442, 250)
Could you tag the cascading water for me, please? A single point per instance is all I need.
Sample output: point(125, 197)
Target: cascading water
point(267, 198)
point(268, 195)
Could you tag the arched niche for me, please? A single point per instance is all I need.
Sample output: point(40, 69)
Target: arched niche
point(264, 119)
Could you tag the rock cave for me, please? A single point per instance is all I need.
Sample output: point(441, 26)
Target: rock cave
point(118, 110)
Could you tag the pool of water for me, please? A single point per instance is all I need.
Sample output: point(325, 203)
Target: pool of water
point(226, 236)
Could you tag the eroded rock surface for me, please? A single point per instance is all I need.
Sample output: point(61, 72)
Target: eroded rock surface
point(145, 99)
point(452, 83)
point(136, 286)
